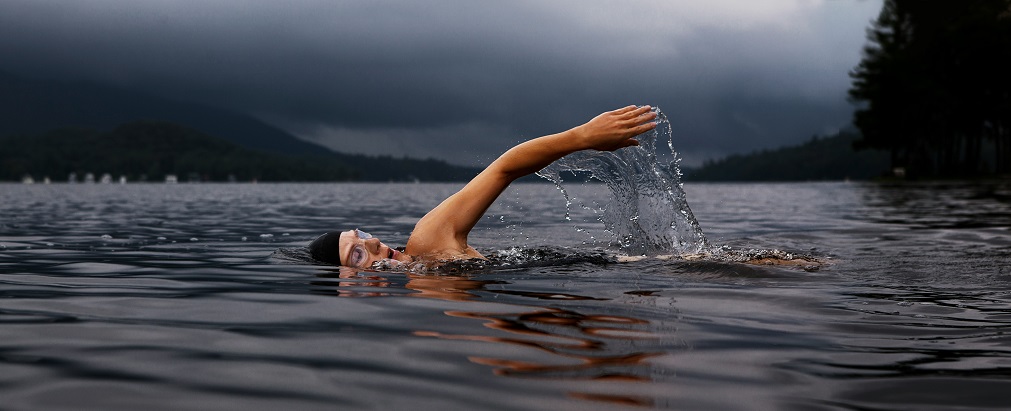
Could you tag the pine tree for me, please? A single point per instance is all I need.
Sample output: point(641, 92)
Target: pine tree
point(932, 86)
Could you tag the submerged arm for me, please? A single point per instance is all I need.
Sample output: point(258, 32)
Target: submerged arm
point(446, 227)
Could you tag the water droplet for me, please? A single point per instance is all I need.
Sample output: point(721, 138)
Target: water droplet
point(194, 239)
point(266, 235)
point(285, 234)
point(50, 244)
point(904, 303)
point(106, 237)
point(244, 238)
point(162, 238)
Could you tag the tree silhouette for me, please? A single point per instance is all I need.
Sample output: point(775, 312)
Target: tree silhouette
point(933, 87)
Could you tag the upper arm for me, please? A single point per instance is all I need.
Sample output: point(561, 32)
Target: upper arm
point(446, 227)
point(449, 223)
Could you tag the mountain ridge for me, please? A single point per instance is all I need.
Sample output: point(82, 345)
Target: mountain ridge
point(818, 159)
point(154, 150)
point(33, 107)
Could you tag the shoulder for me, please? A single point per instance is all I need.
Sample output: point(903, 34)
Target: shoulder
point(434, 239)
point(439, 249)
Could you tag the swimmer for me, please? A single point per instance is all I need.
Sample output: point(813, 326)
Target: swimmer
point(441, 235)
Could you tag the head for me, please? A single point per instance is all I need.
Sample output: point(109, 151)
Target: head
point(352, 248)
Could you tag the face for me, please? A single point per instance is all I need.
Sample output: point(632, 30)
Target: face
point(358, 249)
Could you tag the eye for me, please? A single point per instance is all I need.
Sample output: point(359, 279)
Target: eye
point(357, 257)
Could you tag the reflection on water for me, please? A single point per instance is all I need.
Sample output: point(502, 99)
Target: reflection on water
point(581, 346)
point(941, 204)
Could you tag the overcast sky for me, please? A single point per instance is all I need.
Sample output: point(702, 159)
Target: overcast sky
point(464, 80)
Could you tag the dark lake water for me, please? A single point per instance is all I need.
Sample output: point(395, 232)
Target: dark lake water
point(123, 297)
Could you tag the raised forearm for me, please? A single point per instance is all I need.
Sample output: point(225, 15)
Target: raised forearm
point(609, 131)
point(532, 155)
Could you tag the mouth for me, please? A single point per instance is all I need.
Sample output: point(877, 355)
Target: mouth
point(391, 254)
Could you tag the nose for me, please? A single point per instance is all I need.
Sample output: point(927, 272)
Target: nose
point(372, 245)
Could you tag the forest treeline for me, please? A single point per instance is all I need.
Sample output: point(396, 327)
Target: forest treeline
point(151, 150)
point(818, 159)
point(934, 89)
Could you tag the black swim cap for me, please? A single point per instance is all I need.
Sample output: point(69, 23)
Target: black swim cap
point(326, 248)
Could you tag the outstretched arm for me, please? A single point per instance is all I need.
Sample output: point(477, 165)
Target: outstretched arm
point(445, 228)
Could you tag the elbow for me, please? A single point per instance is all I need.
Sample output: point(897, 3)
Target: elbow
point(506, 174)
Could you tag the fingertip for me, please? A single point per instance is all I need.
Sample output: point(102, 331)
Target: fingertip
point(644, 127)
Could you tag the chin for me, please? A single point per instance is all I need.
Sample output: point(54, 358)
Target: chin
point(400, 256)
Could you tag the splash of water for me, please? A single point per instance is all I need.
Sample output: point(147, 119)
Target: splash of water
point(647, 211)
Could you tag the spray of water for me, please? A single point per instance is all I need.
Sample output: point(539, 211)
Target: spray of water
point(647, 211)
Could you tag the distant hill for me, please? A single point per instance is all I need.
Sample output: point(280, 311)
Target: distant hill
point(34, 106)
point(150, 150)
point(827, 158)
point(30, 107)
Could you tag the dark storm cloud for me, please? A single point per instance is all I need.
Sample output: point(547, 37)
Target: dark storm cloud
point(462, 80)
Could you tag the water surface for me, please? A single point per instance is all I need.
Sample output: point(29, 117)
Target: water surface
point(177, 297)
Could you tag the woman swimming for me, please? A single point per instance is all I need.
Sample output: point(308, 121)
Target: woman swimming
point(441, 234)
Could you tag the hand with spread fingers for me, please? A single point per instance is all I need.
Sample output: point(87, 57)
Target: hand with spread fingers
point(616, 129)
